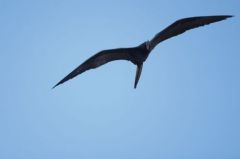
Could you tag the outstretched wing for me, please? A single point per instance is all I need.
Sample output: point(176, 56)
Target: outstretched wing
point(97, 60)
point(183, 25)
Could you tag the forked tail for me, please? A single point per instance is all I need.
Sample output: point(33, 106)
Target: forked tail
point(138, 74)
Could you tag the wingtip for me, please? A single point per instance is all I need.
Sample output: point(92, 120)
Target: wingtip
point(223, 16)
point(229, 16)
point(54, 86)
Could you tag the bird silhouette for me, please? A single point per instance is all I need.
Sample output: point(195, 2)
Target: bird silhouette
point(137, 55)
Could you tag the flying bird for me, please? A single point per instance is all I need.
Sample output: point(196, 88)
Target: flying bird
point(137, 55)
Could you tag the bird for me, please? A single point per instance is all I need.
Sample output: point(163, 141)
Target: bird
point(138, 55)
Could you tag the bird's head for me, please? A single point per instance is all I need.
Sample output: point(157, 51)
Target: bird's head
point(145, 45)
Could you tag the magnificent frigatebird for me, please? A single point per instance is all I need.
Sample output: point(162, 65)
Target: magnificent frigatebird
point(137, 55)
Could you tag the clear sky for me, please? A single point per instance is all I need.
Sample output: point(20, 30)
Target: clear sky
point(187, 104)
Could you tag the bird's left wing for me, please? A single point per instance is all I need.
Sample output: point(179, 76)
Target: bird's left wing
point(97, 60)
point(183, 25)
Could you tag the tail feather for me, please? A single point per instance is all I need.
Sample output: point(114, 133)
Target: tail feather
point(138, 74)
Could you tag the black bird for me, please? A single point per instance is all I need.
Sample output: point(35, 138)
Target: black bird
point(137, 55)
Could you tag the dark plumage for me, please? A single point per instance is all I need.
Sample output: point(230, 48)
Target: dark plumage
point(137, 55)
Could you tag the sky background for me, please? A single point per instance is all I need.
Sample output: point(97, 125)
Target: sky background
point(187, 104)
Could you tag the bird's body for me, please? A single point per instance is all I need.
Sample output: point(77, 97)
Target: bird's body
point(137, 55)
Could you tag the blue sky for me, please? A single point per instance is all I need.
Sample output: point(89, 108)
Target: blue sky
point(186, 105)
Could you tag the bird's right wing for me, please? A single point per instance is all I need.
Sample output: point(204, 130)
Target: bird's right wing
point(97, 60)
point(183, 25)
